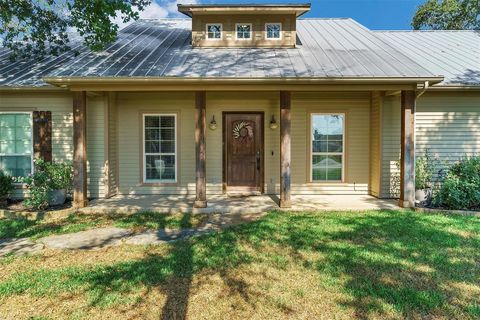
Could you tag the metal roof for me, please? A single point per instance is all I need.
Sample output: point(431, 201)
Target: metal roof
point(327, 48)
point(453, 54)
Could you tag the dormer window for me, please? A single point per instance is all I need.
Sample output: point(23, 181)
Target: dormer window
point(244, 25)
point(244, 31)
point(214, 31)
point(273, 31)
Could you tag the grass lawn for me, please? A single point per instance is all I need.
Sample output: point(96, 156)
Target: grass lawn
point(343, 265)
point(21, 228)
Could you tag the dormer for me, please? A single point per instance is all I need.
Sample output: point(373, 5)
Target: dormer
point(244, 25)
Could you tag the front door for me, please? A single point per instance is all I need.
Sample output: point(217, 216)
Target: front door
point(243, 152)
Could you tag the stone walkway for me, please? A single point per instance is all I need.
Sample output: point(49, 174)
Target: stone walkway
point(110, 236)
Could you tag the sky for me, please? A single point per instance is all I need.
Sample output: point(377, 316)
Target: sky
point(374, 14)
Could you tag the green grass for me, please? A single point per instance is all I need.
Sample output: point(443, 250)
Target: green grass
point(19, 228)
point(376, 264)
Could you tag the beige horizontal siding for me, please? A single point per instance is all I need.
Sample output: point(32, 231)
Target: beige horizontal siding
point(375, 144)
point(356, 107)
point(96, 146)
point(390, 146)
point(112, 123)
point(130, 107)
point(447, 125)
point(60, 104)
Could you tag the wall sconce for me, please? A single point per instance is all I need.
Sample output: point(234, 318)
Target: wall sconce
point(273, 123)
point(213, 124)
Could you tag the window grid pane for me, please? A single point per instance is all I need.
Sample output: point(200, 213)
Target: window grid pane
point(327, 147)
point(16, 143)
point(160, 148)
point(214, 31)
point(273, 31)
point(244, 31)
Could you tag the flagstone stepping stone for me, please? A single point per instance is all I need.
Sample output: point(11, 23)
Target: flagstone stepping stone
point(19, 247)
point(89, 239)
point(162, 236)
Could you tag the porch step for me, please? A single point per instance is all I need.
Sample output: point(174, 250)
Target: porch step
point(242, 194)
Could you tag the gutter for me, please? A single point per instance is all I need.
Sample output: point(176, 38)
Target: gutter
point(66, 81)
point(33, 89)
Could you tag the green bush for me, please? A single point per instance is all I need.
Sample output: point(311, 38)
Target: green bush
point(6, 184)
point(460, 189)
point(424, 167)
point(47, 177)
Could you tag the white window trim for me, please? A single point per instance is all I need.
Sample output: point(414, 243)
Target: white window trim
point(236, 31)
point(266, 32)
point(145, 180)
point(31, 140)
point(327, 153)
point(221, 31)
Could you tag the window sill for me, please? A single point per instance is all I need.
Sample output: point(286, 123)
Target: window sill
point(159, 184)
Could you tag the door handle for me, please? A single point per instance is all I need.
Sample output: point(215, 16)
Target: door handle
point(258, 160)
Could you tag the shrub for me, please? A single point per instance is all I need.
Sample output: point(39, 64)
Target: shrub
point(6, 184)
point(47, 177)
point(460, 189)
point(424, 167)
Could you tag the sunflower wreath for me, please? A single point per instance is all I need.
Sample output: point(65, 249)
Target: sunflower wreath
point(243, 132)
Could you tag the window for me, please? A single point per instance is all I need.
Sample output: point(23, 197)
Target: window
point(160, 147)
point(16, 145)
point(214, 31)
point(273, 31)
point(327, 147)
point(244, 31)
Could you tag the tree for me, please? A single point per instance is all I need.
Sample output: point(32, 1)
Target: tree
point(447, 15)
point(40, 27)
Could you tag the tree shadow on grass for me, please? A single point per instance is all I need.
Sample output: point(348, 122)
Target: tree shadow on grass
point(404, 261)
point(412, 264)
point(19, 228)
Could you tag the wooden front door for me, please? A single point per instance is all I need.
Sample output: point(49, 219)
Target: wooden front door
point(243, 152)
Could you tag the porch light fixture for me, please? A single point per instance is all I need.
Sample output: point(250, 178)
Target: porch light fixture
point(273, 123)
point(213, 124)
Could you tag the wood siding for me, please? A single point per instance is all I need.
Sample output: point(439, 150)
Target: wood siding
point(375, 143)
point(356, 106)
point(60, 104)
point(288, 37)
point(447, 124)
point(112, 144)
point(130, 108)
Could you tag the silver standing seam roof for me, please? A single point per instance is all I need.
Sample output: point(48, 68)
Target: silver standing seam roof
point(327, 48)
point(454, 54)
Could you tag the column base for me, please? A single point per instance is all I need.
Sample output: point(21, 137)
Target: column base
point(285, 204)
point(406, 203)
point(80, 204)
point(200, 204)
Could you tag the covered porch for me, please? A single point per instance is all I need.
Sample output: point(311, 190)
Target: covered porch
point(236, 205)
point(193, 193)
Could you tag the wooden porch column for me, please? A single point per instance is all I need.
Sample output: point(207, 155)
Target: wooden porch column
point(285, 149)
point(80, 149)
point(200, 150)
point(407, 156)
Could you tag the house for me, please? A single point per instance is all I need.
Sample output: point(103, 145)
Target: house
point(245, 99)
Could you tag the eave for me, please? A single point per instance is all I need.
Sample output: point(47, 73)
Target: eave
point(191, 9)
point(239, 84)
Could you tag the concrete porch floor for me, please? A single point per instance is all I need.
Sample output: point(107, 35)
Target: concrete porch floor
point(242, 205)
